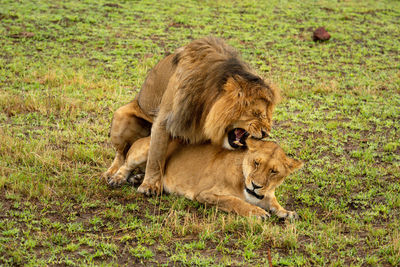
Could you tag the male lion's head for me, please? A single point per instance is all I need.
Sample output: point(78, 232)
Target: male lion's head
point(265, 167)
point(244, 109)
point(218, 97)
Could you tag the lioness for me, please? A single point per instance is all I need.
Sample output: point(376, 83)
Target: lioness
point(243, 181)
point(203, 92)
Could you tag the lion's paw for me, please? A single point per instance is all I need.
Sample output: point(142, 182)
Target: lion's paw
point(285, 214)
point(117, 179)
point(261, 213)
point(107, 176)
point(109, 173)
point(150, 189)
point(136, 178)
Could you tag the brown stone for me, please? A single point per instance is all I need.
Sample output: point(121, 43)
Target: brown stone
point(321, 34)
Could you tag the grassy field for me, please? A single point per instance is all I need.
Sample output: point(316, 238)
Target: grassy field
point(65, 66)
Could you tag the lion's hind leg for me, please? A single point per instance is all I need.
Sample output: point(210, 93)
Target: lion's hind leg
point(115, 165)
point(129, 124)
point(136, 156)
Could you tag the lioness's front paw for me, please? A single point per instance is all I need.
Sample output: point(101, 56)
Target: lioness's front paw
point(150, 189)
point(259, 212)
point(117, 179)
point(285, 214)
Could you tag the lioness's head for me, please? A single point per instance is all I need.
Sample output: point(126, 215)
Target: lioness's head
point(265, 167)
point(244, 109)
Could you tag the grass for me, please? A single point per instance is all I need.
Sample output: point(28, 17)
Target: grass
point(66, 66)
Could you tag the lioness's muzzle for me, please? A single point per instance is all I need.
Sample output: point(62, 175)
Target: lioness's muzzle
point(251, 192)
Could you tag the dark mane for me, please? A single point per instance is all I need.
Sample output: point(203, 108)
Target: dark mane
point(176, 58)
point(234, 67)
point(204, 89)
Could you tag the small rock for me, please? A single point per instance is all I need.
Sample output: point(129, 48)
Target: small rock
point(321, 34)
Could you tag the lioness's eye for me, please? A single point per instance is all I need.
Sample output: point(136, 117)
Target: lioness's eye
point(273, 171)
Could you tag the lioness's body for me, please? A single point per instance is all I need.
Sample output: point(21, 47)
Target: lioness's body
point(211, 174)
point(200, 93)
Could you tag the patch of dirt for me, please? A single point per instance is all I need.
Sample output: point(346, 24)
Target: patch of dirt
point(114, 5)
point(23, 35)
point(8, 16)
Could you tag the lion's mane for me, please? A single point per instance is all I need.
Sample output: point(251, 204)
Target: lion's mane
point(213, 88)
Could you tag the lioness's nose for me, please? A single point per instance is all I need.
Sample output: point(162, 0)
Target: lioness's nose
point(255, 186)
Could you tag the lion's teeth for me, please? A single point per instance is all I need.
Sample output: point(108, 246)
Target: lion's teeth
point(236, 142)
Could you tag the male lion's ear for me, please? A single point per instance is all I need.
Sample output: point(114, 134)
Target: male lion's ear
point(275, 93)
point(233, 87)
point(294, 164)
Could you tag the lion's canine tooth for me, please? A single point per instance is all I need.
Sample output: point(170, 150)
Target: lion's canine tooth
point(236, 142)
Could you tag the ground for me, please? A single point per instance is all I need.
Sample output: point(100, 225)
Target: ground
point(66, 66)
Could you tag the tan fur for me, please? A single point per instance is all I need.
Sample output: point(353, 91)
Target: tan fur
point(198, 94)
point(129, 124)
point(210, 174)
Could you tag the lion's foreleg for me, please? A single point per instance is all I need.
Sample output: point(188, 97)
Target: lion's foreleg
point(231, 203)
point(160, 139)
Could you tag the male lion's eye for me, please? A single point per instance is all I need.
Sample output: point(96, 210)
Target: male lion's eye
point(274, 171)
point(256, 163)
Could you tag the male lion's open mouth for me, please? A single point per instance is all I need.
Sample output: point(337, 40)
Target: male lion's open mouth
point(237, 137)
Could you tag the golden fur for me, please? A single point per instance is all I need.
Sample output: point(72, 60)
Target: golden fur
point(200, 93)
point(241, 181)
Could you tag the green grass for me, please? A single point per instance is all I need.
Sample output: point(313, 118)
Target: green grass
point(66, 66)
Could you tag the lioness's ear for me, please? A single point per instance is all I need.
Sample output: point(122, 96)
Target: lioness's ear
point(294, 164)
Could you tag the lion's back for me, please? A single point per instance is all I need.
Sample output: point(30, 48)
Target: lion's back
point(193, 60)
point(155, 85)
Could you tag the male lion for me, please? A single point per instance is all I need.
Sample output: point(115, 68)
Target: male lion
point(203, 92)
point(243, 181)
